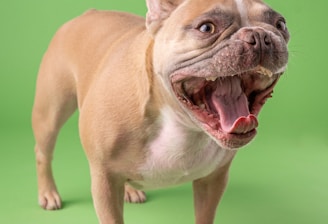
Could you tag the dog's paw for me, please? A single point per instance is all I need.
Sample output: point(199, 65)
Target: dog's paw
point(132, 195)
point(50, 200)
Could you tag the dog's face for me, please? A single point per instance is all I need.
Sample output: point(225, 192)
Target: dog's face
point(221, 59)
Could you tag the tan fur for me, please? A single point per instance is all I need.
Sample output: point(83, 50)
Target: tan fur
point(102, 64)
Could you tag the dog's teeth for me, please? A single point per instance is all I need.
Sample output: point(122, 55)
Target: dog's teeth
point(202, 106)
point(211, 78)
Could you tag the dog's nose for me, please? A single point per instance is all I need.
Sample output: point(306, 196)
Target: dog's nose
point(257, 46)
point(258, 39)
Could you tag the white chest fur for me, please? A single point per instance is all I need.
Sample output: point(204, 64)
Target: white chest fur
point(178, 154)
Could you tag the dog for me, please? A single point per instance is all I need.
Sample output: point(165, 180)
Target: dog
point(162, 100)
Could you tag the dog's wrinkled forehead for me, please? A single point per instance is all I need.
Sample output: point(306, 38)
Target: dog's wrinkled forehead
point(243, 8)
point(173, 13)
point(246, 10)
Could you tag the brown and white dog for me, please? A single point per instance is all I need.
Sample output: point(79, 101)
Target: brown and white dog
point(162, 101)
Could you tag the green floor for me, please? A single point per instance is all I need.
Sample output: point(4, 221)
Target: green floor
point(272, 181)
point(280, 178)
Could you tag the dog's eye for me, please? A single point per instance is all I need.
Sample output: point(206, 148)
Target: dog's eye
point(207, 28)
point(281, 25)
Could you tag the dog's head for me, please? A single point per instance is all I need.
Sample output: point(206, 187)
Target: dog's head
point(221, 60)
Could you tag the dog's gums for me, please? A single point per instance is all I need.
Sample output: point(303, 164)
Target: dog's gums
point(227, 107)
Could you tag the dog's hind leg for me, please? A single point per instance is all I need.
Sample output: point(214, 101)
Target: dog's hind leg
point(55, 102)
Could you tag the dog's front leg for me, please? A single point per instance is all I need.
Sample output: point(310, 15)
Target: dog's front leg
point(207, 194)
point(108, 196)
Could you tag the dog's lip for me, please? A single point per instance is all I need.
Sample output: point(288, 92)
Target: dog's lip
point(233, 141)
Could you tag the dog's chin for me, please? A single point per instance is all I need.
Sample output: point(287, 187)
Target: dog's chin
point(226, 107)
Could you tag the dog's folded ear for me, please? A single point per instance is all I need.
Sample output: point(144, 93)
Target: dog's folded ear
point(158, 11)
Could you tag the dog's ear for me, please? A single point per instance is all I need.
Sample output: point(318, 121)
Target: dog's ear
point(158, 11)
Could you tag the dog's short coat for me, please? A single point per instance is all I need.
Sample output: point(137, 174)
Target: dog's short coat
point(162, 101)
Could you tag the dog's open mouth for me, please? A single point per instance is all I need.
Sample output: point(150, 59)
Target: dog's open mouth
point(227, 107)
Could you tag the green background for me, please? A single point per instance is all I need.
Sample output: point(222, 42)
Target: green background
point(281, 177)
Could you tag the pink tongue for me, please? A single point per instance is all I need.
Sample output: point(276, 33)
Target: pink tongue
point(232, 105)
